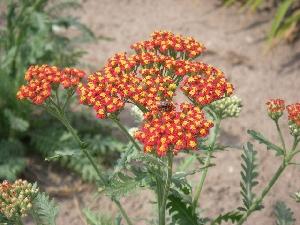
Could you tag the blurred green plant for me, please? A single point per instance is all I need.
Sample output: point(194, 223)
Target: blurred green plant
point(286, 21)
point(39, 32)
point(284, 215)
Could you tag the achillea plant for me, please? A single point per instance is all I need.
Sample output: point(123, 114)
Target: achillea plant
point(16, 198)
point(149, 79)
point(20, 198)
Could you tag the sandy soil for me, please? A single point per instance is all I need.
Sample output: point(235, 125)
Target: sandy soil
point(235, 40)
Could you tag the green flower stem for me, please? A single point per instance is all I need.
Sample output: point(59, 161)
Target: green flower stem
point(124, 214)
point(60, 115)
point(202, 179)
point(19, 221)
point(206, 164)
point(83, 146)
point(125, 131)
point(162, 209)
point(280, 135)
point(286, 161)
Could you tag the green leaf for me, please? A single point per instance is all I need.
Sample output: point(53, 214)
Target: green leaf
point(12, 161)
point(63, 153)
point(186, 163)
point(96, 218)
point(261, 139)
point(279, 17)
point(233, 216)
point(16, 123)
point(181, 212)
point(44, 210)
point(122, 184)
point(249, 174)
point(284, 215)
point(288, 24)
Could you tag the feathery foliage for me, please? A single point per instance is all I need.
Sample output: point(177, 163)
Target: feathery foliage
point(249, 174)
point(12, 161)
point(44, 211)
point(33, 32)
point(99, 219)
point(284, 215)
point(181, 211)
point(233, 216)
point(261, 139)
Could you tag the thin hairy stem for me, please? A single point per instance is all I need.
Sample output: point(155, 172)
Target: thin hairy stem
point(83, 146)
point(123, 212)
point(280, 135)
point(162, 210)
point(206, 164)
point(60, 115)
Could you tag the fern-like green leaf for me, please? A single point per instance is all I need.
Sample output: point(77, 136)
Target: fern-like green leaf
point(249, 174)
point(44, 211)
point(233, 216)
point(96, 218)
point(122, 184)
point(261, 139)
point(16, 123)
point(182, 212)
point(284, 215)
point(12, 161)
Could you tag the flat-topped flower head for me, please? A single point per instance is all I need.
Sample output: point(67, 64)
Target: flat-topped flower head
point(161, 66)
point(275, 108)
point(294, 118)
point(16, 198)
point(41, 80)
point(168, 43)
point(167, 129)
point(204, 90)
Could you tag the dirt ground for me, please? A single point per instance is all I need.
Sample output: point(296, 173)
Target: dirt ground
point(235, 42)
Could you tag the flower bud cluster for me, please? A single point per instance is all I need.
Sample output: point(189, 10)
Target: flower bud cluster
point(16, 198)
point(42, 79)
point(294, 118)
point(227, 107)
point(275, 108)
point(167, 129)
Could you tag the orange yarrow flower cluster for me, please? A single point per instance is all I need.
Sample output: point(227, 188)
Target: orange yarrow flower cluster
point(42, 79)
point(168, 43)
point(151, 76)
point(206, 89)
point(275, 108)
point(126, 79)
point(294, 113)
point(167, 129)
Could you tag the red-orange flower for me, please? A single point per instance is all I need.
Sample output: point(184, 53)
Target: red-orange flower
point(275, 108)
point(41, 80)
point(167, 129)
point(168, 43)
point(206, 89)
point(294, 113)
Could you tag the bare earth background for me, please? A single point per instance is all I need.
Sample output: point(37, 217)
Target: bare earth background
point(235, 42)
